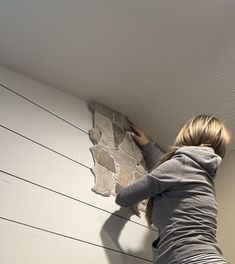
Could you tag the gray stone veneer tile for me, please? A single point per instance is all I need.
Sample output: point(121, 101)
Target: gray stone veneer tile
point(117, 157)
point(103, 158)
point(118, 135)
point(129, 146)
point(104, 123)
point(103, 110)
point(95, 135)
point(122, 158)
point(124, 175)
point(104, 183)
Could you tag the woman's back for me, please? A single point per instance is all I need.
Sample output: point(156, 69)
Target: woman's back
point(186, 212)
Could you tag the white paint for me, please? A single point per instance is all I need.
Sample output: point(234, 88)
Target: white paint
point(34, 205)
point(159, 62)
point(65, 106)
point(25, 245)
point(41, 208)
point(40, 126)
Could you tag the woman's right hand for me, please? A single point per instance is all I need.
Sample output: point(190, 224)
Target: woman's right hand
point(139, 135)
point(135, 209)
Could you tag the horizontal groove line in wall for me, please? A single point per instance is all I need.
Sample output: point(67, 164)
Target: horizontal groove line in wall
point(42, 108)
point(41, 145)
point(72, 238)
point(70, 160)
point(72, 198)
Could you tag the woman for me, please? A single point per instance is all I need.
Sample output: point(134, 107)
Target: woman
point(181, 193)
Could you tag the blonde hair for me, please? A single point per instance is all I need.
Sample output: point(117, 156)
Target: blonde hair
point(202, 130)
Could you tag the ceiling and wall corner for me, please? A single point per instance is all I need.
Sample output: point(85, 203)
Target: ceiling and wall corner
point(159, 62)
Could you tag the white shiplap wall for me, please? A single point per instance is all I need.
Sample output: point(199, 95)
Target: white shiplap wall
point(48, 213)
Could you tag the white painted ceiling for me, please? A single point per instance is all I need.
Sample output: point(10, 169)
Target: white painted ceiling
point(160, 62)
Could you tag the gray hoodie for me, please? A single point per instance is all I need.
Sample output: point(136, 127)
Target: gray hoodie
point(185, 207)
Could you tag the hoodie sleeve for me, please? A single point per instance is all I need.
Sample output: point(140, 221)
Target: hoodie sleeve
point(157, 181)
point(151, 154)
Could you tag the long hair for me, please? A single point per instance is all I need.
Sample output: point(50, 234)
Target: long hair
point(202, 130)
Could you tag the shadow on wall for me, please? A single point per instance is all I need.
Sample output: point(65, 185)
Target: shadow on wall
point(110, 234)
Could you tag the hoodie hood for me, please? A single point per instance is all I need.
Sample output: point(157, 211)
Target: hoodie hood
point(204, 156)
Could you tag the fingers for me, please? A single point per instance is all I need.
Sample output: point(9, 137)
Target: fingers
point(137, 130)
point(141, 140)
point(136, 137)
point(139, 136)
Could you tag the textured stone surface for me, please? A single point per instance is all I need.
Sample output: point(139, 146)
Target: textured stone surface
point(118, 120)
point(107, 142)
point(104, 123)
point(124, 176)
point(103, 110)
point(103, 158)
point(104, 182)
point(143, 164)
point(126, 124)
point(140, 169)
point(129, 146)
point(117, 157)
point(106, 139)
point(95, 135)
point(137, 176)
point(118, 135)
point(124, 159)
point(121, 121)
